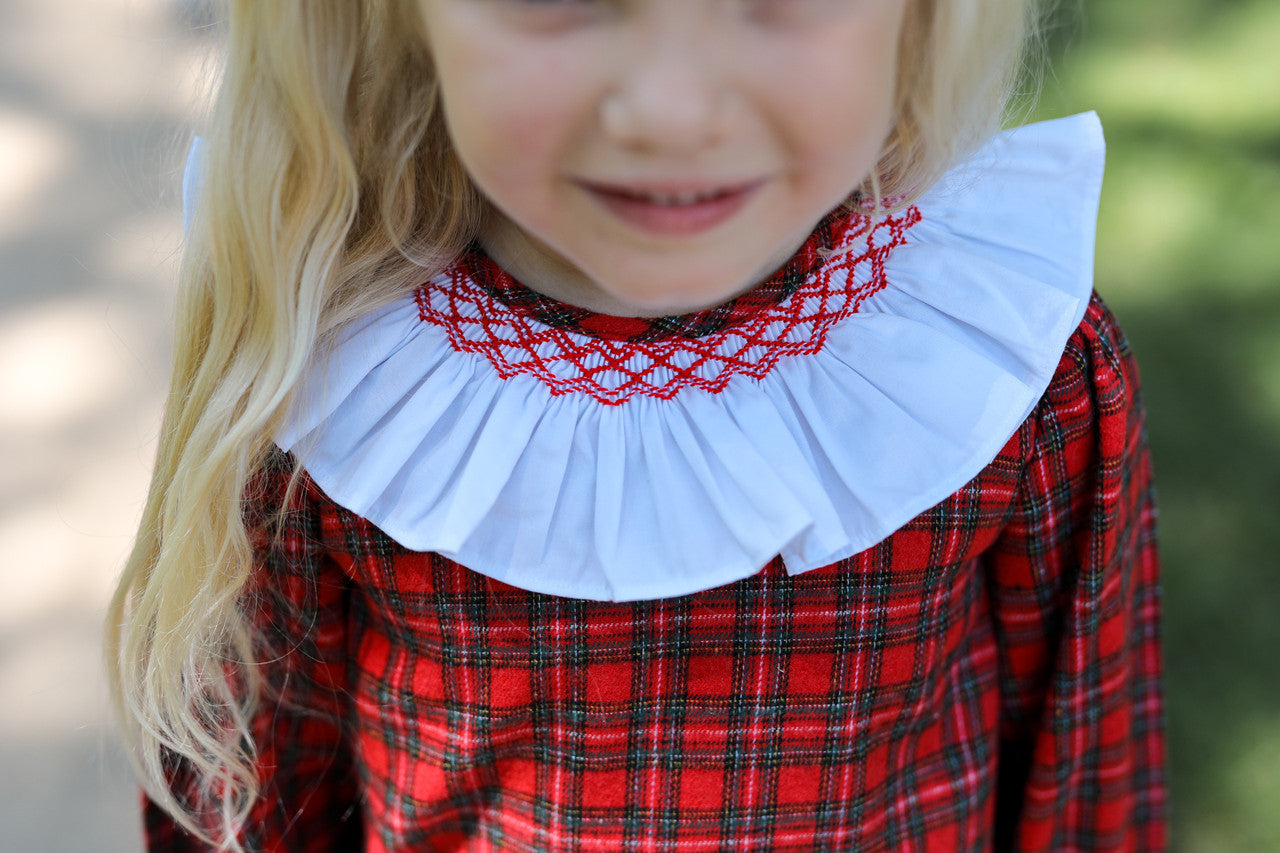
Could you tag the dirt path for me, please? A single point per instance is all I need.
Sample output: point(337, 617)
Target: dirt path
point(94, 103)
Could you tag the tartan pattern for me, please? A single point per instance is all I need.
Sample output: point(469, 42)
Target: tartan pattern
point(987, 678)
point(569, 350)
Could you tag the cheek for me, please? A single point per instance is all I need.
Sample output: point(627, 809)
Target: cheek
point(837, 142)
point(835, 102)
point(513, 131)
point(482, 127)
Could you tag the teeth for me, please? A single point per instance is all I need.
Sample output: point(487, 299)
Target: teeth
point(681, 199)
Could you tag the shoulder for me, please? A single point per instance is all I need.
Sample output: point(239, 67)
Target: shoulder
point(1093, 403)
point(280, 500)
point(1096, 360)
point(286, 511)
point(267, 490)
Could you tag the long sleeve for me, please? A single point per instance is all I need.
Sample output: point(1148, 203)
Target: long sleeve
point(298, 602)
point(1073, 585)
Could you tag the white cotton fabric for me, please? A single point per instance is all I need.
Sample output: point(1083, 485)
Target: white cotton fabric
point(823, 457)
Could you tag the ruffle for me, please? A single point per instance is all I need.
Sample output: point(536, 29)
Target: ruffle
point(908, 397)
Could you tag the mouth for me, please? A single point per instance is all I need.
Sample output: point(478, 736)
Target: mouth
point(672, 209)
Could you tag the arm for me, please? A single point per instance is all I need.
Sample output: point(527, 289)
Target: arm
point(1073, 585)
point(298, 604)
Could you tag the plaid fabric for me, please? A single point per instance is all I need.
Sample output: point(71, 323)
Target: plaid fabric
point(985, 679)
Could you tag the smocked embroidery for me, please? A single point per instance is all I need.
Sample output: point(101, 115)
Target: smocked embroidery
point(517, 341)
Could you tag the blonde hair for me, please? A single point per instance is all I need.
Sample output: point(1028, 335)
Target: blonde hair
point(958, 64)
point(330, 187)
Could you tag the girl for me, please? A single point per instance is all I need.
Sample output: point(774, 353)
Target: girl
point(602, 425)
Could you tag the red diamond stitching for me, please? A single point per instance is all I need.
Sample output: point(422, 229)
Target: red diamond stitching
point(613, 372)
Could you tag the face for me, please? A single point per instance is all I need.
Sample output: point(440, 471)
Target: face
point(647, 157)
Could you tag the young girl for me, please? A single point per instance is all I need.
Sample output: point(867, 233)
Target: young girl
point(602, 425)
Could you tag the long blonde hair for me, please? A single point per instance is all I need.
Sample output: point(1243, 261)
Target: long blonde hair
point(330, 187)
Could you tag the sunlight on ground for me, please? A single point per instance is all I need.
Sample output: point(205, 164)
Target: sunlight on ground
point(95, 96)
point(40, 149)
point(53, 367)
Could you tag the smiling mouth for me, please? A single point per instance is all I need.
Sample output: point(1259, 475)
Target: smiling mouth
point(673, 210)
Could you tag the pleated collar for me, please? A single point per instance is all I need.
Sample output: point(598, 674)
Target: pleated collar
point(605, 458)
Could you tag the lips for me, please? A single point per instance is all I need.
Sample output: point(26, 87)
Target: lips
point(672, 209)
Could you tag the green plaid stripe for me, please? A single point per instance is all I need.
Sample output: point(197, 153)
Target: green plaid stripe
point(986, 678)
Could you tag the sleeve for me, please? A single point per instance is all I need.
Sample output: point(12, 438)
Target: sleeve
point(1073, 582)
point(298, 604)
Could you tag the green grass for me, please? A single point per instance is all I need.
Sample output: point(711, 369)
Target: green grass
point(1189, 258)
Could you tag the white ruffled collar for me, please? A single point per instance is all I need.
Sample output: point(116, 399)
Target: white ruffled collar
point(564, 461)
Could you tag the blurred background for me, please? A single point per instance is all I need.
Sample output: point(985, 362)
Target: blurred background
point(96, 102)
point(1189, 259)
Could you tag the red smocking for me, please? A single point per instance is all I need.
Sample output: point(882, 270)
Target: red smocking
point(614, 359)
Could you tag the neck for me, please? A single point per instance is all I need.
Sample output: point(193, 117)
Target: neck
point(541, 269)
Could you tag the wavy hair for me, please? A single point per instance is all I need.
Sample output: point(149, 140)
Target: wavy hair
point(330, 187)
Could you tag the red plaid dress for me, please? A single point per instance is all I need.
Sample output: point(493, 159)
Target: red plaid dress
point(987, 678)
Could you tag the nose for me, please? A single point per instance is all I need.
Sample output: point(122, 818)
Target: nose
point(671, 94)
